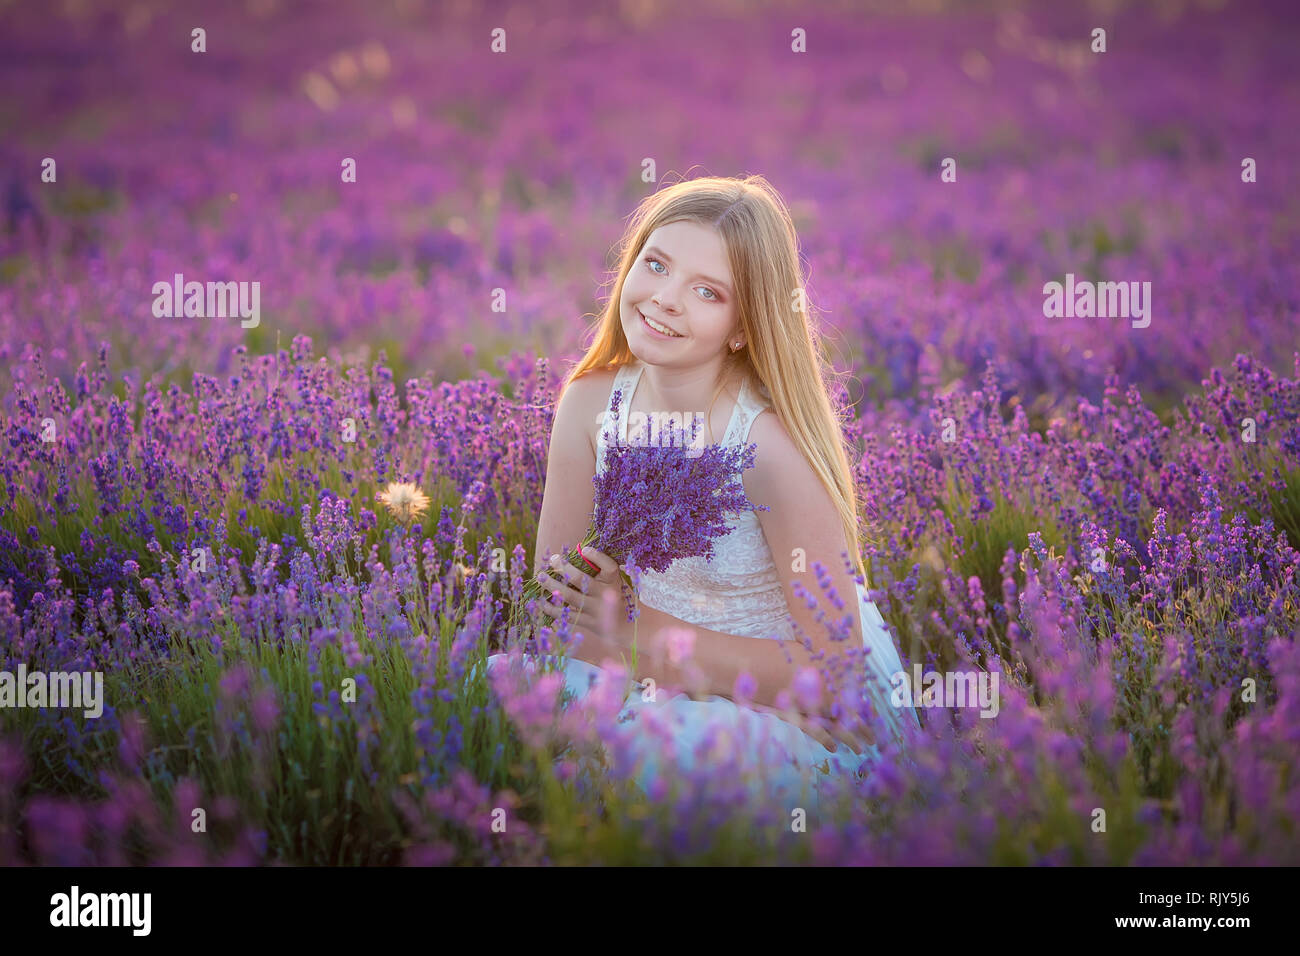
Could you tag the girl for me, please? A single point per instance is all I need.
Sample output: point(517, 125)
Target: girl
point(708, 305)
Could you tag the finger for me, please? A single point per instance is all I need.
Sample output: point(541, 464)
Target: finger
point(554, 605)
point(549, 584)
point(588, 566)
point(571, 574)
point(565, 593)
point(556, 610)
point(599, 558)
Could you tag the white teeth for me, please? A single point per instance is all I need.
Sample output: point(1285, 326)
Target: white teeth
point(659, 328)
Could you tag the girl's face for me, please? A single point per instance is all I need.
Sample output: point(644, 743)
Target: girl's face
point(681, 281)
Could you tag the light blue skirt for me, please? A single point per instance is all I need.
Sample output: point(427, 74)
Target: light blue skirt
point(719, 750)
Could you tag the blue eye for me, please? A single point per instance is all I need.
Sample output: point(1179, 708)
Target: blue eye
point(650, 259)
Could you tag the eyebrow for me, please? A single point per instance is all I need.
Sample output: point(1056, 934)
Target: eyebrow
point(719, 282)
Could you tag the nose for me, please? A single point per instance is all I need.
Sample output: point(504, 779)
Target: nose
point(659, 301)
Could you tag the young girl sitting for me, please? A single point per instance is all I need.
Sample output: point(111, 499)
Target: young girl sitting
point(709, 312)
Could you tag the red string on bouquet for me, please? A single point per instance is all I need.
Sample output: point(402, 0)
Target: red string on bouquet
point(594, 567)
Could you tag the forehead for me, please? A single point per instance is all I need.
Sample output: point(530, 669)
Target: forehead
point(699, 247)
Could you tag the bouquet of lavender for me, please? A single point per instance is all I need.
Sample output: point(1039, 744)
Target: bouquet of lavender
point(659, 503)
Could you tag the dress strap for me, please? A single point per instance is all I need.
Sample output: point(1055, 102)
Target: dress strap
point(749, 405)
point(626, 378)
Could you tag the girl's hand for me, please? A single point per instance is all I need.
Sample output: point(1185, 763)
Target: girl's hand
point(600, 605)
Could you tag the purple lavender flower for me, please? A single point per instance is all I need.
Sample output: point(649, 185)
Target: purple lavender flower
point(656, 504)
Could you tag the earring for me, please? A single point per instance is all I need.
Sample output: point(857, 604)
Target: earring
point(735, 346)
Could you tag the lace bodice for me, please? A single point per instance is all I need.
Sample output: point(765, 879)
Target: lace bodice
point(738, 591)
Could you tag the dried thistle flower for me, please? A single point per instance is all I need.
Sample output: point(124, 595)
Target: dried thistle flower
point(462, 573)
point(405, 501)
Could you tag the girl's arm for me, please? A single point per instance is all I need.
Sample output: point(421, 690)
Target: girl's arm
point(717, 659)
point(802, 529)
point(568, 496)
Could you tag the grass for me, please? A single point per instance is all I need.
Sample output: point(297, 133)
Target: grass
point(984, 543)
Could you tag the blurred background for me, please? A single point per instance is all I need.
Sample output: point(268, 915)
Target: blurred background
point(479, 170)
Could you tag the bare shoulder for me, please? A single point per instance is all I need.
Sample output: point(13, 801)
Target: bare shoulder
point(771, 437)
point(587, 397)
point(801, 516)
point(778, 464)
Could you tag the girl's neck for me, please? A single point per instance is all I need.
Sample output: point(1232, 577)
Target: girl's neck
point(685, 390)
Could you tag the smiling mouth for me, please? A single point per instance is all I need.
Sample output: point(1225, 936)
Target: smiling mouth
point(662, 330)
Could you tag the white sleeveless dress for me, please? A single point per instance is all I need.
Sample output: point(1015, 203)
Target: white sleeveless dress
point(738, 592)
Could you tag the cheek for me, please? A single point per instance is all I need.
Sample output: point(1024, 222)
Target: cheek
point(717, 329)
point(633, 291)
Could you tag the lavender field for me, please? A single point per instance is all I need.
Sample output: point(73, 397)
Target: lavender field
point(1103, 509)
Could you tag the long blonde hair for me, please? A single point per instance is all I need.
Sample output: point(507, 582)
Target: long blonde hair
point(784, 347)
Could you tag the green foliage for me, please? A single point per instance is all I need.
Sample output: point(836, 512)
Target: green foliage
point(985, 539)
